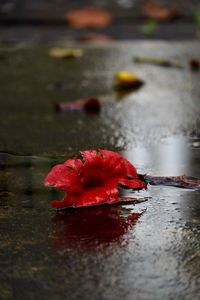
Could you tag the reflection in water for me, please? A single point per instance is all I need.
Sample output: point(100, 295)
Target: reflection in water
point(92, 227)
point(172, 157)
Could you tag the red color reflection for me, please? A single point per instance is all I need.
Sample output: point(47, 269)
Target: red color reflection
point(91, 227)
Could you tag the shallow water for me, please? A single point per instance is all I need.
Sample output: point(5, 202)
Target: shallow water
point(149, 250)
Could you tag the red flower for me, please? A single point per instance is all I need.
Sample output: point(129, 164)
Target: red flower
point(93, 179)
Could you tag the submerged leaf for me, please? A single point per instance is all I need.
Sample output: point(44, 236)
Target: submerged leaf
point(93, 179)
point(65, 53)
point(91, 17)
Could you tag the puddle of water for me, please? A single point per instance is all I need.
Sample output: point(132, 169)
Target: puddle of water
point(160, 234)
point(173, 156)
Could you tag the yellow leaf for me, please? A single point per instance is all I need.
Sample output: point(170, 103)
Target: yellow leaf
point(65, 53)
point(126, 79)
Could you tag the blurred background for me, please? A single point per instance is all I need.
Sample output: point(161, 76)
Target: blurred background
point(98, 21)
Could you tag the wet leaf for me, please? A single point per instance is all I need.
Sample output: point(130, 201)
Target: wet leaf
point(93, 179)
point(65, 53)
point(149, 27)
point(177, 181)
point(155, 10)
point(158, 61)
point(126, 80)
point(89, 105)
point(90, 17)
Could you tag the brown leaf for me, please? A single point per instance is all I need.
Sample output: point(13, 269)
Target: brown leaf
point(155, 10)
point(91, 17)
point(177, 181)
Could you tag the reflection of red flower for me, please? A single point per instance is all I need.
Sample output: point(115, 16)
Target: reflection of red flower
point(91, 227)
point(93, 179)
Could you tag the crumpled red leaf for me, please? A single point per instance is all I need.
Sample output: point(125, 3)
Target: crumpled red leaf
point(93, 179)
point(155, 10)
point(90, 17)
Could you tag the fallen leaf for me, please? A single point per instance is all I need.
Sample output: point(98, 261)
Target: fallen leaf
point(90, 17)
point(155, 10)
point(93, 179)
point(177, 181)
point(149, 27)
point(158, 61)
point(90, 105)
point(126, 80)
point(65, 53)
point(95, 38)
point(194, 64)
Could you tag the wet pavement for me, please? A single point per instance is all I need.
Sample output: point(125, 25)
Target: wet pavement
point(150, 250)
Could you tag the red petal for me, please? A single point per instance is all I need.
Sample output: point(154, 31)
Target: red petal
point(61, 177)
point(133, 183)
point(93, 180)
point(118, 164)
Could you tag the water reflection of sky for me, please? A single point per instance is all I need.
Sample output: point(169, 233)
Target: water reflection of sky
point(171, 157)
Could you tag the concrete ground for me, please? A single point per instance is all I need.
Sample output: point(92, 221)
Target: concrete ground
point(147, 251)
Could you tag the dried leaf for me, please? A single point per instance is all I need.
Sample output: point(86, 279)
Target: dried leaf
point(155, 10)
point(93, 179)
point(65, 53)
point(90, 105)
point(158, 61)
point(177, 181)
point(91, 17)
point(126, 80)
